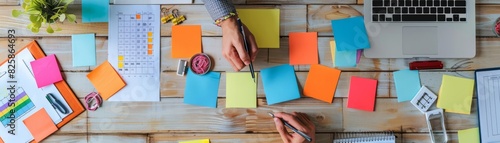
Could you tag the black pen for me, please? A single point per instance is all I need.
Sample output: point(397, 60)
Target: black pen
point(242, 30)
point(293, 128)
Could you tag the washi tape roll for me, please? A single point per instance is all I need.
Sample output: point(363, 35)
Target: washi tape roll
point(93, 101)
point(200, 64)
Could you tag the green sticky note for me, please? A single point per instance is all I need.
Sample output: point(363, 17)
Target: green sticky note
point(455, 94)
point(469, 135)
point(241, 90)
point(95, 11)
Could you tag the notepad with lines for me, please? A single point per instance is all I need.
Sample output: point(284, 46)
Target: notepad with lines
point(488, 102)
point(364, 137)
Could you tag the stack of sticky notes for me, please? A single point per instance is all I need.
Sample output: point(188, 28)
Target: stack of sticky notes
point(343, 59)
point(350, 38)
point(303, 48)
point(106, 80)
point(46, 71)
point(280, 84)
point(455, 94)
point(264, 24)
point(202, 90)
point(241, 90)
point(362, 94)
point(321, 83)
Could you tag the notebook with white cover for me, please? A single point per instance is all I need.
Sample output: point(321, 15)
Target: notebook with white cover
point(365, 137)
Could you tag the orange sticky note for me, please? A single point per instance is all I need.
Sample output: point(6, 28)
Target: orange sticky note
point(106, 80)
point(362, 93)
point(186, 41)
point(40, 125)
point(321, 82)
point(303, 48)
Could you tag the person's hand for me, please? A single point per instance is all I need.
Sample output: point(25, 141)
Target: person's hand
point(298, 120)
point(233, 48)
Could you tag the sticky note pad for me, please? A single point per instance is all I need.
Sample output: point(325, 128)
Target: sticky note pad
point(40, 125)
point(362, 93)
point(407, 84)
point(196, 141)
point(241, 90)
point(264, 25)
point(469, 135)
point(280, 84)
point(321, 83)
point(95, 11)
point(303, 48)
point(83, 50)
point(350, 34)
point(202, 90)
point(344, 59)
point(186, 41)
point(106, 80)
point(455, 94)
point(46, 71)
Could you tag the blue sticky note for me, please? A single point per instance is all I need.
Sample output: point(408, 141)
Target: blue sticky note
point(280, 84)
point(83, 46)
point(202, 90)
point(345, 59)
point(95, 11)
point(350, 34)
point(407, 84)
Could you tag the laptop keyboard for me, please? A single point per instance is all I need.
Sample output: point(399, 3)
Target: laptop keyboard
point(418, 10)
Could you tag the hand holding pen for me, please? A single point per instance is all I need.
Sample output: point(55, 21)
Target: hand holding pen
point(233, 45)
point(299, 123)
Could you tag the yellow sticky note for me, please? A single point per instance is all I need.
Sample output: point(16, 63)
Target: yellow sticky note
point(264, 25)
point(332, 48)
point(455, 94)
point(241, 90)
point(196, 141)
point(468, 136)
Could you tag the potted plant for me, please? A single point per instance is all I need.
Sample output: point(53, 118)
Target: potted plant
point(45, 12)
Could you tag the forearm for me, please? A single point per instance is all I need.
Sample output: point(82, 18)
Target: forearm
point(219, 8)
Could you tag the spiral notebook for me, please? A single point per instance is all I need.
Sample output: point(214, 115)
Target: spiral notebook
point(364, 137)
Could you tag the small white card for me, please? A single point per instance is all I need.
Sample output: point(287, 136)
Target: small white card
point(424, 99)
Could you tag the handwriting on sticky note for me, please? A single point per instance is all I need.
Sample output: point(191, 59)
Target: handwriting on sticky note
point(362, 93)
point(350, 34)
point(266, 32)
point(83, 50)
point(455, 94)
point(46, 71)
point(241, 90)
point(186, 41)
point(40, 125)
point(303, 48)
point(280, 84)
point(106, 80)
point(321, 83)
point(202, 90)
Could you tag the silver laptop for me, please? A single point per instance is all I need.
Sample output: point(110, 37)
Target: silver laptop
point(420, 28)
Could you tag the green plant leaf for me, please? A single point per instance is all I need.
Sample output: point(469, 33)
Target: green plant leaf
point(62, 18)
point(59, 28)
point(55, 16)
point(34, 12)
point(16, 13)
point(34, 18)
point(50, 30)
point(71, 17)
point(67, 2)
point(30, 26)
point(35, 30)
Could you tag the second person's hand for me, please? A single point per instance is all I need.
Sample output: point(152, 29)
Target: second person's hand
point(233, 47)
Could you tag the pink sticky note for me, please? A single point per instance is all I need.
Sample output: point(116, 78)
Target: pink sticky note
point(46, 71)
point(362, 93)
point(358, 56)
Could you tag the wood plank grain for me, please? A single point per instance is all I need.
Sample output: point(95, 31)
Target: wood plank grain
point(319, 17)
point(124, 138)
point(68, 138)
point(9, 2)
point(194, 2)
point(230, 138)
point(424, 137)
point(172, 115)
point(77, 125)
point(391, 115)
point(301, 2)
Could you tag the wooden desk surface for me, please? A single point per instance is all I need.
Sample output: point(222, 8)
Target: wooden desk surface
point(170, 120)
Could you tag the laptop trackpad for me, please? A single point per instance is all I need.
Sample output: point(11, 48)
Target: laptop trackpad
point(420, 40)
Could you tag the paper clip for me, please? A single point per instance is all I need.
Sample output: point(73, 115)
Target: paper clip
point(178, 18)
point(166, 16)
point(93, 101)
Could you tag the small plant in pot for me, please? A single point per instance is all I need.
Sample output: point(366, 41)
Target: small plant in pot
point(45, 12)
